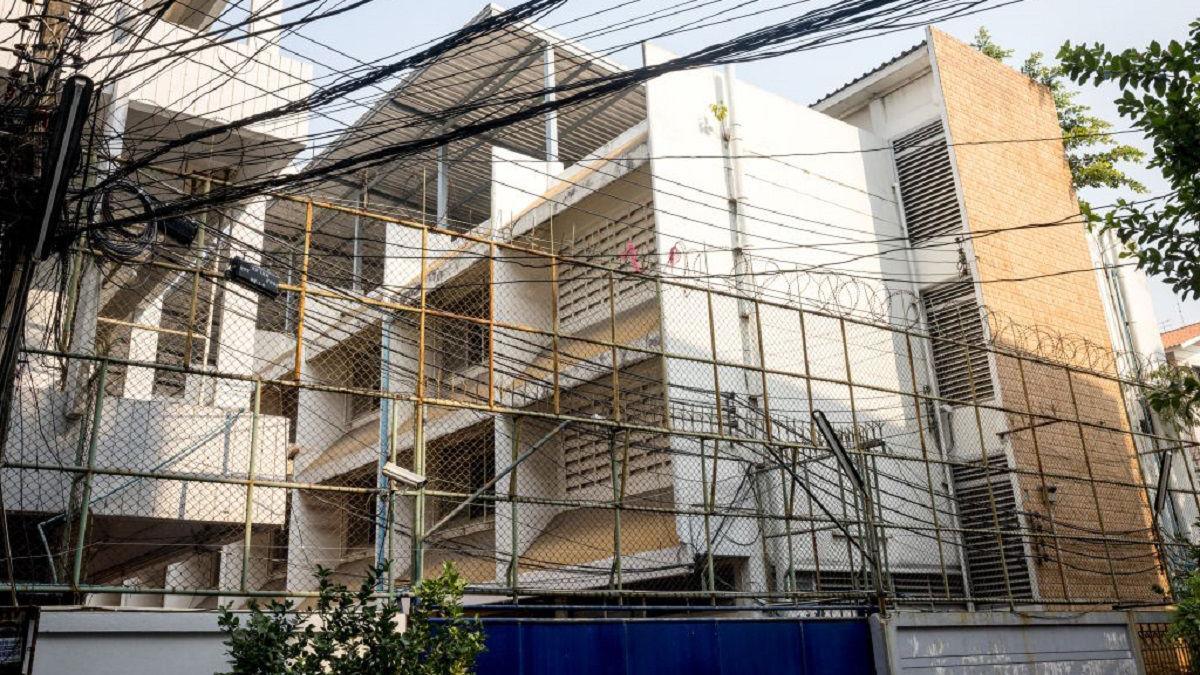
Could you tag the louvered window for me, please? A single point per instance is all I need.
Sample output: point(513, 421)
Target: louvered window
point(995, 556)
point(927, 185)
point(960, 357)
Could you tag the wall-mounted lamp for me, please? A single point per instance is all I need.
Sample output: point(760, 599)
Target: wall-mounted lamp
point(402, 475)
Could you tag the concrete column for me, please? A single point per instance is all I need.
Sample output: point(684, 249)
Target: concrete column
point(318, 423)
point(143, 346)
point(193, 572)
point(258, 571)
point(314, 538)
point(549, 81)
point(401, 256)
point(539, 476)
point(235, 353)
point(102, 600)
point(153, 578)
point(443, 187)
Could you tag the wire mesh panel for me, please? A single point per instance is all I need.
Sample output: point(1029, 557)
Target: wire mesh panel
point(586, 417)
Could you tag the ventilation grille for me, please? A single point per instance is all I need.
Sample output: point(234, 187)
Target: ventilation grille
point(996, 564)
point(927, 184)
point(587, 462)
point(960, 357)
point(583, 291)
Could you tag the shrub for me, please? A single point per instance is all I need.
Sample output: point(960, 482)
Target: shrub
point(355, 633)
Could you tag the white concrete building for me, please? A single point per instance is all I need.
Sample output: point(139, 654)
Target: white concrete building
point(644, 182)
point(143, 531)
point(690, 218)
point(861, 204)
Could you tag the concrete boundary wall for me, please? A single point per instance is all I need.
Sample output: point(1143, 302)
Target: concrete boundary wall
point(128, 642)
point(132, 642)
point(1010, 642)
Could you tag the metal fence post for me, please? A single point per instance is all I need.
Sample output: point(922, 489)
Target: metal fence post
point(417, 566)
point(710, 579)
point(298, 367)
point(615, 573)
point(383, 504)
point(512, 507)
point(418, 526)
point(1037, 453)
point(985, 464)
point(812, 435)
point(1087, 463)
point(391, 503)
point(252, 466)
point(85, 502)
point(868, 502)
point(918, 415)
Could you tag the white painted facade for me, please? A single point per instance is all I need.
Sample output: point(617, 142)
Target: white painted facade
point(197, 426)
point(678, 162)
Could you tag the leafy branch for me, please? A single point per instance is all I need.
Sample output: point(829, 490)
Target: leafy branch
point(1160, 94)
point(355, 633)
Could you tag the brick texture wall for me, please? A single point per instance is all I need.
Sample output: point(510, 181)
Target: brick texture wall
point(1096, 533)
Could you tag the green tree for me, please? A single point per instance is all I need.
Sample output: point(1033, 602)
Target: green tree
point(1174, 394)
point(354, 633)
point(1160, 95)
point(1185, 623)
point(1092, 153)
point(983, 42)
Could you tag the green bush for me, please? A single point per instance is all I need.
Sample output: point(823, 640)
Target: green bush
point(354, 633)
point(1185, 616)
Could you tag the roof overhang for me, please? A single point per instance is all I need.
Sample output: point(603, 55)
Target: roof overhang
point(906, 66)
point(468, 81)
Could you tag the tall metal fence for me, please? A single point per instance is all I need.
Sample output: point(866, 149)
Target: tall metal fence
point(594, 422)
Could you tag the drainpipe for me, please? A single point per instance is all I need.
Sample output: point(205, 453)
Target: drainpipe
point(731, 142)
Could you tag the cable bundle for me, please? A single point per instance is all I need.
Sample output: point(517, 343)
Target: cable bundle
point(132, 239)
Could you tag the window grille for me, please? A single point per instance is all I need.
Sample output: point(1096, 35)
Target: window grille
point(583, 291)
point(587, 462)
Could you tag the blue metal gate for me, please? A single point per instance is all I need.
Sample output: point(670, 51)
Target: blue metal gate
point(669, 646)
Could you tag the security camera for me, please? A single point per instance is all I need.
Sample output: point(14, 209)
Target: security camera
point(402, 475)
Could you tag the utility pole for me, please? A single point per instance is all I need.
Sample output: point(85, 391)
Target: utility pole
point(25, 238)
point(24, 250)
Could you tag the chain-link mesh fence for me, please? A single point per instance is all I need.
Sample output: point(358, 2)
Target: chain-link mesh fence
point(589, 420)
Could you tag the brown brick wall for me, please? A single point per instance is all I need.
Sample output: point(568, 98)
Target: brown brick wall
point(1008, 185)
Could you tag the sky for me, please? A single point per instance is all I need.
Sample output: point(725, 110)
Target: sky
point(384, 27)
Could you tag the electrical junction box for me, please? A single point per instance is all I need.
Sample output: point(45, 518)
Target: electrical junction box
point(255, 277)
